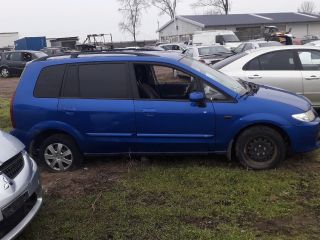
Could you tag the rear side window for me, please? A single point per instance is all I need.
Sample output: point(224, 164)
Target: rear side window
point(97, 81)
point(49, 82)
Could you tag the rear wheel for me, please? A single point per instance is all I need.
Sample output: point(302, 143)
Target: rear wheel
point(5, 73)
point(260, 147)
point(59, 153)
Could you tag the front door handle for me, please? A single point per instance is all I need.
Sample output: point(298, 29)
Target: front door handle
point(313, 77)
point(256, 76)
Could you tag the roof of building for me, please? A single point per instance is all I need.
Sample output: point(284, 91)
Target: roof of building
point(246, 19)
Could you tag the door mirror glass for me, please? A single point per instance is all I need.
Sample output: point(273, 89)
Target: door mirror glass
point(197, 97)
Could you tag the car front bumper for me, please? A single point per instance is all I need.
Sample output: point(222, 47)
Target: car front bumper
point(305, 137)
point(21, 202)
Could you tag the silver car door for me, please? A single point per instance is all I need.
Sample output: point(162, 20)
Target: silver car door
point(278, 69)
point(310, 62)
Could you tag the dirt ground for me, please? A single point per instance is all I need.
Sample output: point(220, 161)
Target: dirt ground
point(8, 86)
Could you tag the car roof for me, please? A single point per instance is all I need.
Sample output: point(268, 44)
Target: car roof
point(28, 51)
point(109, 56)
point(276, 48)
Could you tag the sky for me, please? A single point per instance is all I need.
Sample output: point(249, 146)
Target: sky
point(66, 18)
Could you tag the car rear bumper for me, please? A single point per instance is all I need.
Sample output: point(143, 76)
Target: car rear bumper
point(23, 202)
point(305, 137)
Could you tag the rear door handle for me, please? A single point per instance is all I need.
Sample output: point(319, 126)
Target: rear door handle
point(313, 77)
point(256, 76)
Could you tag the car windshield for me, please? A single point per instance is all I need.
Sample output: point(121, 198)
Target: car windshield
point(239, 48)
point(230, 38)
point(219, 77)
point(205, 51)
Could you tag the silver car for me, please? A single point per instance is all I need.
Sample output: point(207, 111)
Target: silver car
point(293, 68)
point(20, 188)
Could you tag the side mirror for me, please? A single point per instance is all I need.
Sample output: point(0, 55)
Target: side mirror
point(197, 97)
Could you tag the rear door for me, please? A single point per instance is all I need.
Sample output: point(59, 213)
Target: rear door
point(279, 69)
point(97, 102)
point(166, 120)
point(310, 69)
point(15, 62)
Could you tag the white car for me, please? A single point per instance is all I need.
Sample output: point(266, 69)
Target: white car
point(208, 54)
point(176, 47)
point(245, 46)
point(20, 189)
point(294, 68)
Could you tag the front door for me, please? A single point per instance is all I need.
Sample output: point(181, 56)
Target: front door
point(166, 120)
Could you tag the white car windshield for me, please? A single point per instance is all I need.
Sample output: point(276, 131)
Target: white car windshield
point(217, 76)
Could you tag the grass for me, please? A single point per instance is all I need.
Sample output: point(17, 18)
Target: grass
point(5, 122)
point(187, 198)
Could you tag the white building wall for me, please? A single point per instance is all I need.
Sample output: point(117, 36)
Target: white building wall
point(314, 29)
point(7, 39)
point(178, 28)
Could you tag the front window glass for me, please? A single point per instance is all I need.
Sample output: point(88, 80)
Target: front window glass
point(230, 38)
point(219, 77)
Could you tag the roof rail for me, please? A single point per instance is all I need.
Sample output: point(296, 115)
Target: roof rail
point(137, 52)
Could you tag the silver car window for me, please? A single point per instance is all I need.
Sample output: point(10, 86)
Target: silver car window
point(310, 60)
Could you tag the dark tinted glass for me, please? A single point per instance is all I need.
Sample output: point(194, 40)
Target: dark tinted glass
point(49, 82)
point(104, 81)
point(277, 61)
point(16, 56)
point(252, 65)
point(71, 88)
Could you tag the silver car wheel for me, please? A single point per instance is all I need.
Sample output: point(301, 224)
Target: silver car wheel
point(5, 73)
point(58, 157)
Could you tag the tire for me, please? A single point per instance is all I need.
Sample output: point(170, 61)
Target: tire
point(260, 148)
point(60, 153)
point(5, 73)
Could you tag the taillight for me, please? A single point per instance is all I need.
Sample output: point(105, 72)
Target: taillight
point(13, 123)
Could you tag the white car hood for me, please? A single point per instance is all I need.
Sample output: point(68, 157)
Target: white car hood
point(9, 147)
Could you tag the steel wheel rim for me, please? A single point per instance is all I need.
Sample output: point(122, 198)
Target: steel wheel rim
point(260, 150)
point(4, 73)
point(58, 157)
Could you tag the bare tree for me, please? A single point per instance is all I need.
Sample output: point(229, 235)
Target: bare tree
point(307, 7)
point(167, 7)
point(131, 11)
point(214, 6)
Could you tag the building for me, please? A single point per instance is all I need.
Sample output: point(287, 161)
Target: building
point(7, 39)
point(246, 26)
point(69, 42)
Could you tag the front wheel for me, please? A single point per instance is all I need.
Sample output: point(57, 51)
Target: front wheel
point(5, 73)
point(260, 148)
point(59, 153)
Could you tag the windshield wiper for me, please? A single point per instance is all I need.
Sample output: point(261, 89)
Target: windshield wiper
point(251, 88)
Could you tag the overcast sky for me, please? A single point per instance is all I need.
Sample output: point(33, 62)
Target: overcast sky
point(63, 18)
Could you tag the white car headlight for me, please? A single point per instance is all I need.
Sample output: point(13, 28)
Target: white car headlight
point(305, 117)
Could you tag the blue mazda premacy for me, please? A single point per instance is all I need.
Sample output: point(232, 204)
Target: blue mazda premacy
point(78, 105)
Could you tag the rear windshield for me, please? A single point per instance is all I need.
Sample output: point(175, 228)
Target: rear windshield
point(228, 60)
point(207, 51)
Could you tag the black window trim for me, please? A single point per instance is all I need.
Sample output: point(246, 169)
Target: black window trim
point(199, 80)
point(96, 63)
point(296, 63)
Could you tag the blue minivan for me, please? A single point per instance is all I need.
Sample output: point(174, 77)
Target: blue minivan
point(78, 105)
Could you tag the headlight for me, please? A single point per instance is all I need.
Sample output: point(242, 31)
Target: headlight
point(305, 117)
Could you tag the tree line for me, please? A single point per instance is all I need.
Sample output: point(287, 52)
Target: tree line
point(132, 10)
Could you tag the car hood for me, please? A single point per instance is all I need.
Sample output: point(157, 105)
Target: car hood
point(9, 147)
point(283, 96)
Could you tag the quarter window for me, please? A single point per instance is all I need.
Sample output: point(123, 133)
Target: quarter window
point(49, 82)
